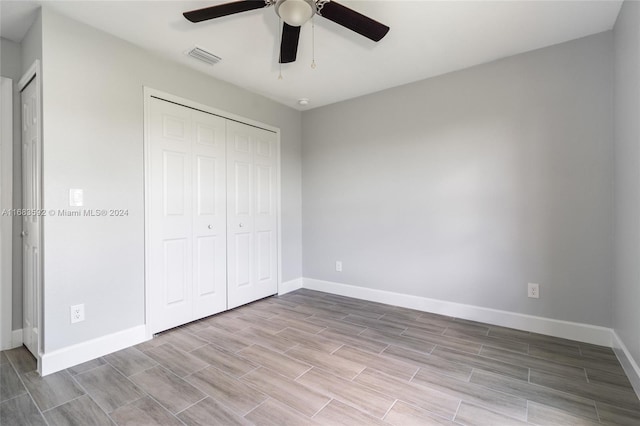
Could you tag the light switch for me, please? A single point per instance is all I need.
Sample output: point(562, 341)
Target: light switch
point(76, 198)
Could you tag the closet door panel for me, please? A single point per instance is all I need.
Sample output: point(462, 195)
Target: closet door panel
point(251, 217)
point(266, 219)
point(209, 219)
point(170, 215)
point(240, 199)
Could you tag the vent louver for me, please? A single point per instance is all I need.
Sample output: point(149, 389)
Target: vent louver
point(204, 56)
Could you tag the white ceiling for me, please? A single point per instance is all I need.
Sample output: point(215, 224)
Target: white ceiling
point(427, 38)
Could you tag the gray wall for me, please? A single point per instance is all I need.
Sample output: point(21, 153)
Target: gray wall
point(626, 292)
point(32, 44)
point(93, 139)
point(10, 62)
point(11, 67)
point(467, 186)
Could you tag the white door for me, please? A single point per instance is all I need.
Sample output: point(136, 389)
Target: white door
point(187, 269)
point(31, 200)
point(251, 214)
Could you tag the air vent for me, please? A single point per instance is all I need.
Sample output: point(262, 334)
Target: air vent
point(204, 56)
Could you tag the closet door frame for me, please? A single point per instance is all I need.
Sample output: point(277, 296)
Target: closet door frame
point(148, 94)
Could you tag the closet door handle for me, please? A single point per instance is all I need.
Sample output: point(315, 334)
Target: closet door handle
point(241, 225)
point(210, 226)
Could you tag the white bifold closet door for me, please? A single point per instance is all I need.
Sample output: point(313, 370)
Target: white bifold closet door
point(187, 224)
point(251, 214)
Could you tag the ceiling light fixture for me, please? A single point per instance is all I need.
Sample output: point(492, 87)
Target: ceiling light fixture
point(303, 102)
point(295, 12)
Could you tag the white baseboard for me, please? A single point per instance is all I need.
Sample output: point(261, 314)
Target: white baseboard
point(289, 286)
point(628, 363)
point(16, 338)
point(565, 329)
point(86, 351)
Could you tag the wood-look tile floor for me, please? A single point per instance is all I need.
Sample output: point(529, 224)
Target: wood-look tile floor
point(316, 358)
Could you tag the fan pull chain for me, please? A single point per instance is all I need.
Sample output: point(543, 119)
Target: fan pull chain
point(313, 43)
point(279, 59)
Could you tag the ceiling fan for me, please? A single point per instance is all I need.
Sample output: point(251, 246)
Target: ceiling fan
point(294, 13)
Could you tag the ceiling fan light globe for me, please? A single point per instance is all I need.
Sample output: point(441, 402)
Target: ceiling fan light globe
point(295, 12)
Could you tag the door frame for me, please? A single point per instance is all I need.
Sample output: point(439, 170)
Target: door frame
point(149, 93)
point(34, 73)
point(6, 220)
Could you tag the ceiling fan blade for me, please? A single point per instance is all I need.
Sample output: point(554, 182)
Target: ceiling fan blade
point(354, 21)
point(220, 10)
point(289, 43)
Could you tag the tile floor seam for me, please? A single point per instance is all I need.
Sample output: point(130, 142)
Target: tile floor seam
point(337, 349)
point(365, 329)
point(453, 419)
point(323, 407)
point(86, 392)
point(31, 396)
point(585, 399)
point(161, 405)
point(85, 371)
point(414, 374)
point(598, 413)
point(356, 377)
point(258, 366)
point(269, 398)
point(28, 392)
point(352, 405)
point(569, 365)
point(480, 349)
point(285, 352)
point(433, 349)
point(555, 363)
point(195, 403)
point(199, 370)
point(384, 349)
point(319, 331)
point(111, 418)
point(199, 347)
point(24, 387)
point(14, 397)
point(389, 409)
point(567, 393)
point(302, 374)
point(138, 372)
point(492, 390)
point(63, 403)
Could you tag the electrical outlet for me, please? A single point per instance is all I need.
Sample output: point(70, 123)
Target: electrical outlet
point(533, 290)
point(338, 265)
point(77, 313)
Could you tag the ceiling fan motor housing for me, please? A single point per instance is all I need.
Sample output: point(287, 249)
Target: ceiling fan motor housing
point(295, 12)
